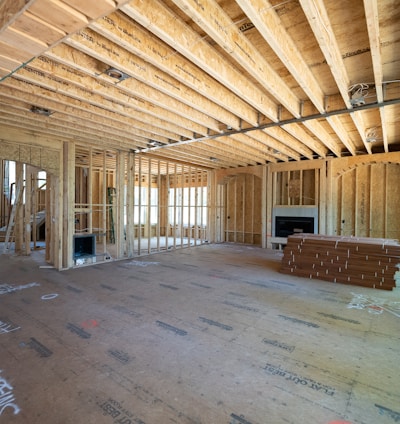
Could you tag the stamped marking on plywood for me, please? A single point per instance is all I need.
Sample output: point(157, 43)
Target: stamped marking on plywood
point(74, 289)
point(299, 321)
point(126, 311)
point(167, 286)
point(170, 412)
point(238, 306)
point(105, 286)
point(133, 296)
point(238, 419)
point(201, 285)
point(336, 317)
point(279, 344)
point(237, 294)
point(78, 331)
point(277, 370)
point(7, 399)
point(7, 326)
point(383, 410)
point(169, 327)
point(216, 324)
point(116, 411)
point(41, 349)
point(119, 355)
point(221, 277)
point(283, 283)
point(262, 285)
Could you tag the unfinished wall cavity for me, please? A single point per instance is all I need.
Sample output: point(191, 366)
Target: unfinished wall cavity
point(368, 200)
point(138, 205)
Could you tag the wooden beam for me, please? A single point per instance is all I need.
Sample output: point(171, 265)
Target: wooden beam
point(285, 138)
point(93, 9)
point(338, 127)
point(33, 26)
point(319, 131)
point(176, 33)
point(301, 134)
point(68, 198)
point(372, 17)
point(219, 26)
point(150, 67)
point(254, 147)
point(357, 118)
point(317, 16)
point(49, 99)
point(74, 127)
point(23, 42)
point(59, 15)
point(155, 16)
point(119, 203)
point(129, 92)
point(79, 93)
point(10, 10)
point(263, 15)
point(111, 54)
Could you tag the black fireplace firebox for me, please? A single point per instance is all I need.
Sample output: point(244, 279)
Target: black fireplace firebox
point(287, 225)
point(84, 245)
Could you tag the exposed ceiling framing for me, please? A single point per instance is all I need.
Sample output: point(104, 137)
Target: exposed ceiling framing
point(212, 83)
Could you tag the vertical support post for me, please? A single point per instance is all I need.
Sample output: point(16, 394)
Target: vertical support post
point(104, 201)
point(35, 193)
point(19, 216)
point(158, 231)
point(328, 198)
point(90, 191)
point(214, 212)
point(148, 214)
point(130, 225)
point(189, 206)
point(266, 205)
point(120, 204)
point(68, 199)
point(140, 206)
point(167, 217)
point(175, 197)
point(28, 220)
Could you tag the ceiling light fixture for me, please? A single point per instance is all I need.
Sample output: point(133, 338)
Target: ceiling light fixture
point(41, 111)
point(358, 92)
point(154, 143)
point(116, 74)
point(370, 135)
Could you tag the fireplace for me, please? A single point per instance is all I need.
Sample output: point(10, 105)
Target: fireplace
point(287, 220)
point(84, 245)
point(287, 225)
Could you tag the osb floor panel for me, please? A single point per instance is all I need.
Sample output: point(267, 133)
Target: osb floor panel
point(212, 334)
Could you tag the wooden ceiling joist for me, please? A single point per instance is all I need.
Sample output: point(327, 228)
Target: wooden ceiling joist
point(218, 25)
point(10, 10)
point(109, 53)
point(246, 82)
point(36, 96)
point(136, 40)
point(157, 18)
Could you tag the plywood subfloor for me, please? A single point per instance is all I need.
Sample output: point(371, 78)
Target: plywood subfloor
point(211, 334)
